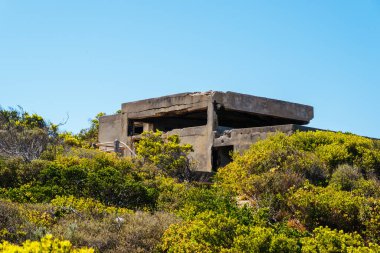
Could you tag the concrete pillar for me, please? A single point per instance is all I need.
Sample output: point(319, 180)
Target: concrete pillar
point(148, 127)
point(212, 124)
point(124, 128)
point(124, 132)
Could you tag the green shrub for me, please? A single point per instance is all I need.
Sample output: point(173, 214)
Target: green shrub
point(112, 188)
point(262, 239)
point(190, 199)
point(10, 222)
point(14, 171)
point(283, 243)
point(142, 232)
point(105, 177)
point(171, 193)
point(276, 154)
point(25, 135)
point(317, 206)
point(200, 199)
point(312, 155)
point(29, 193)
point(367, 188)
point(345, 177)
point(208, 232)
point(8, 177)
point(70, 204)
point(341, 148)
point(166, 153)
point(327, 240)
point(273, 198)
point(135, 232)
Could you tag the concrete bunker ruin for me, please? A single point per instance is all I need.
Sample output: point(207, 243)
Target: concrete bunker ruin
point(214, 123)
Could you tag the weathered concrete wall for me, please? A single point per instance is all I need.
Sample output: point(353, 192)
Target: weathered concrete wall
point(199, 117)
point(243, 138)
point(212, 124)
point(109, 128)
point(174, 104)
point(198, 138)
point(265, 106)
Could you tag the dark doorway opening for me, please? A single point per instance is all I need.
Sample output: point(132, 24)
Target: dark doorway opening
point(221, 156)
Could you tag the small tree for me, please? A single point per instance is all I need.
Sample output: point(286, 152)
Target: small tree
point(166, 153)
point(25, 135)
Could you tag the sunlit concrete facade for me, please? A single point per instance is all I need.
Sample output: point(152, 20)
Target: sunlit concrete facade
point(213, 122)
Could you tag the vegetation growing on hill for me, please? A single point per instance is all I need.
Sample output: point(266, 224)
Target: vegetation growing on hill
point(25, 135)
point(308, 192)
point(166, 153)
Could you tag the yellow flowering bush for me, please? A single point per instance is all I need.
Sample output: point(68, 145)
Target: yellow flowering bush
point(36, 217)
point(47, 244)
point(87, 205)
point(312, 155)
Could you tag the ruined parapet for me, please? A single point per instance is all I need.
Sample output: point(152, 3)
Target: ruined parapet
point(202, 119)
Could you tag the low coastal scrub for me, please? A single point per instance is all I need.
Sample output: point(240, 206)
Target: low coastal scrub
point(307, 192)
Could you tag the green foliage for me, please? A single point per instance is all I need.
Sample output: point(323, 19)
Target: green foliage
point(308, 192)
point(256, 170)
point(166, 153)
point(367, 188)
point(212, 232)
point(86, 138)
point(85, 223)
point(90, 135)
point(209, 232)
point(346, 177)
point(349, 178)
point(312, 155)
point(340, 148)
point(317, 206)
point(218, 232)
point(199, 199)
point(25, 135)
point(10, 221)
point(171, 193)
point(139, 232)
point(69, 204)
point(261, 239)
point(327, 240)
point(311, 179)
point(105, 177)
point(252, 239)
point(112, 188)
point(274, 165)
point(20, 119)
point(72, 140)
point(188, 200)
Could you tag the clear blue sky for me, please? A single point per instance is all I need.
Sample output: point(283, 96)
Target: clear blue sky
point(83, 57)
